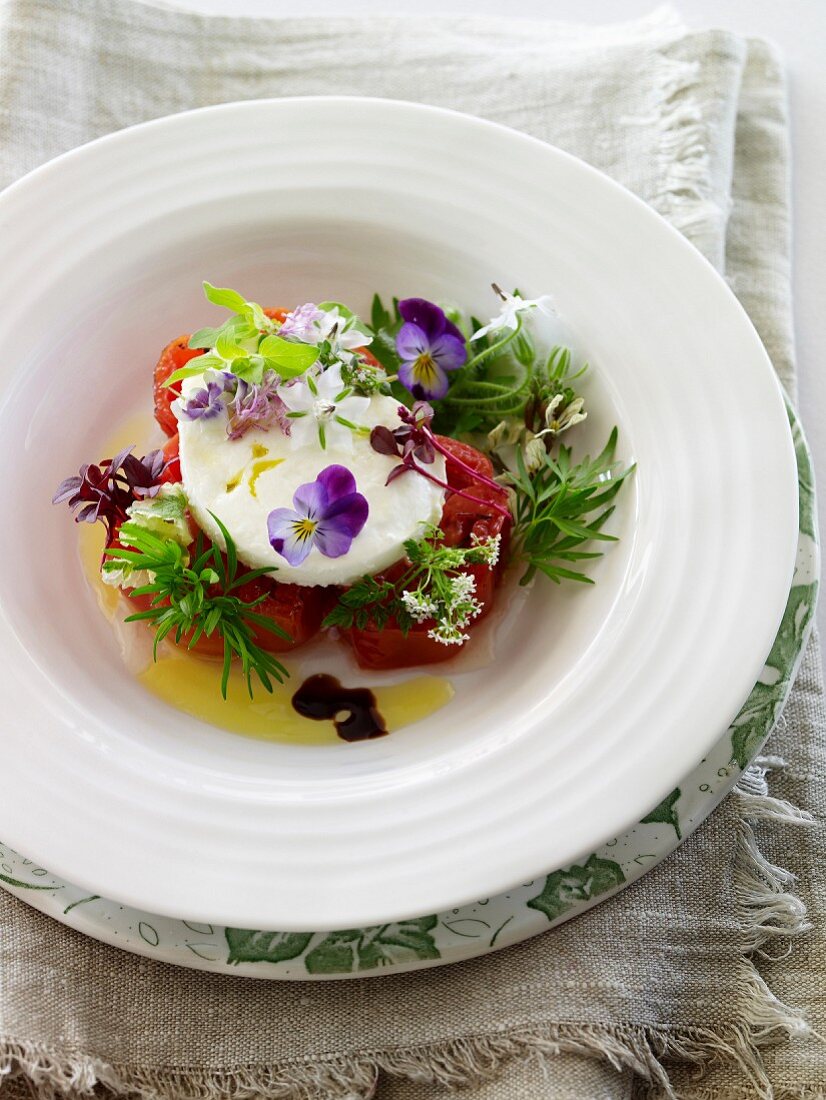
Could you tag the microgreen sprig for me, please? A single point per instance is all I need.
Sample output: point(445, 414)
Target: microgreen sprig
point(195, 600)
point(560, 506)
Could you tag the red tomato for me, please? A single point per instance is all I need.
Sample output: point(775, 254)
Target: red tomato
point(461, 520)
point(297, 609)
point(174, 356)
point(172, 471)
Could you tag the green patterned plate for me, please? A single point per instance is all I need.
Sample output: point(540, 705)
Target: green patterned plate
point(490, 923)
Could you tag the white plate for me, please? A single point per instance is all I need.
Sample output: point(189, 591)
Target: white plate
point(604, 700)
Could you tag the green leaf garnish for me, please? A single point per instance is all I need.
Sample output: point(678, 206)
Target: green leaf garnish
point(186, 605)
point(223, 296)
point(289, 359)
point(247, 344)
point(560, 506)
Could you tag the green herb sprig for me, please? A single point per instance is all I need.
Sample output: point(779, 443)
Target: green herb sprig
point(196, 599)
point(247, 344)
point(561, 506)
point(434, 587)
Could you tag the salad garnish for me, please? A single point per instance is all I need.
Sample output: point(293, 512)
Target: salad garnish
point(323, 407)
point(434, 587)
point(415, 443)
point(510, 315)
point(428, 345)
point(475, 409)
point(103, 492)
point(190, 600)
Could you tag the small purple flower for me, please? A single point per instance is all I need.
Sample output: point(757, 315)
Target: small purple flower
point(300, 323)
point(257, 406)
point(207, 403)
point(328, 514)
point(429, 345)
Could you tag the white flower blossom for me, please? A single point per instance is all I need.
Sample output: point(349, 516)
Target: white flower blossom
point(321, 407)
point(558, 420)
point(512, 306)
point(462, 589)
point(312, 325)
point(489, 546)
point(341, 331)
point(448, 634)
point(534, 452)
point(506, 433)
point(419, 607)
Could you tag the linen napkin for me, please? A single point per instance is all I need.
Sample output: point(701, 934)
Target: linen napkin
point(680, 985)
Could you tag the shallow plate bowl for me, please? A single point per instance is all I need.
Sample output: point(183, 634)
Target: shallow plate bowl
point(599, 703)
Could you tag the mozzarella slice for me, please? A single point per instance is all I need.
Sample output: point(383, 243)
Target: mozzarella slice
point(241, 481)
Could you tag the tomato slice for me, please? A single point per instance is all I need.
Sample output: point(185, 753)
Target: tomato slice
point(297, 609)
point(175, 355)
point(461, 520)
point(172, 470)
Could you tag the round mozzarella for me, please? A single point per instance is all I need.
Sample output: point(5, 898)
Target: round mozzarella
point(242, 480)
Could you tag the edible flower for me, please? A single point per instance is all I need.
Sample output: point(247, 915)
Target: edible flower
point(208, 402)
point(105, 491)
point(436, 587)
point(322, 407)
point(513, 306)
point(301, 323)
point(331, 326)
point(257, 405)
point(561, 414)
point(327, 513)
point(340, 332)
point(429, 346)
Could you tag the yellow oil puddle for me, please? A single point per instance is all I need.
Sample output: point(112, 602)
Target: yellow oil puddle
point(192, 684)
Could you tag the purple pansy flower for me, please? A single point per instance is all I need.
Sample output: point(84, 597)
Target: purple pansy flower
point(328, 514)
point(429, 345)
